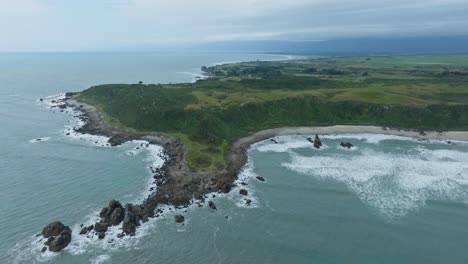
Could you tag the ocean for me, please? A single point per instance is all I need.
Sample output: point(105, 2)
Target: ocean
point(387, 200)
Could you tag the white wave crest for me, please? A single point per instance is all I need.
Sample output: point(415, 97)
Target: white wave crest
point(394, 184)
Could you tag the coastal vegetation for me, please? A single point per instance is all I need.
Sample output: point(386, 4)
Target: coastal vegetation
point(407, 92)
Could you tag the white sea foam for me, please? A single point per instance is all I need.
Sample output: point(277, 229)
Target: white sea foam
point(100, 259)
point(196, 76)
point(393, 184)
point(286, 143)
point(37, 140)
point(378, 138)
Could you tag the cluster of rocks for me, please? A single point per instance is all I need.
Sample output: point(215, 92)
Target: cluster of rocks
point(318, 143)
point(177, 186)
point(58, 236)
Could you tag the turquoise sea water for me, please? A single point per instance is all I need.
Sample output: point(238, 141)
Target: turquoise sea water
point(389, 200)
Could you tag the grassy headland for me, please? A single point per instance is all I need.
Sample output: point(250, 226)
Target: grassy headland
point(412, 92)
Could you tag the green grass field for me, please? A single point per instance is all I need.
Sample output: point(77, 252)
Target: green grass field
point(414, 92)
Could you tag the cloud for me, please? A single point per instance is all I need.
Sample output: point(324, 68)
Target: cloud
point(20, 7)
point(58, 24)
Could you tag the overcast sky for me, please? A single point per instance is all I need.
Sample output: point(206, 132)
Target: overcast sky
point(65, 25)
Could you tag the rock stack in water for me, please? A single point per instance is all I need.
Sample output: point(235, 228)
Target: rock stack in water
point(317, 142)
point(346, 145)
point(58, 236)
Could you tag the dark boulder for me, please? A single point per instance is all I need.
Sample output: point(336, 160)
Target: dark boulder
point(83, 231)
point(101, 227)
point(274, 140)
point(346, 145)
point(179, 218)
point(54, 229)
point(130, 221)
point(212, 205)
point(61, 241)
point(86, 229)
point(113, 213)
point(243, 192)
point(104, 212)
point(260, 178)
point(248, 202)
point(101, 235)
point(117, 216)
point(44, 249)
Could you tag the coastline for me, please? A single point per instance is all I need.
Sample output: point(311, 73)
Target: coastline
point(178, 186)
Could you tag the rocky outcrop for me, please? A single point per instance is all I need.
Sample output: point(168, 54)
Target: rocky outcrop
point(317, 142)
point(60, 242)
point(212, 205)
point(179, 218)
point(243, 192)
point(119, 139)
point(86, 229)
point(130, 221)
point(101, 227)
point(54, 229)
point(260, 178)
point(58, 236)
point(113, 214)
point(346, 145)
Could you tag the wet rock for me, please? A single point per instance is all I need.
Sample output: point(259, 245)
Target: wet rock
point(101, 235)
point(274, 140)
point(61, 241)
point(243, 192)
point(130, 221)
point(248, 202)
point(317, 142)
point(346, 145)
point(260, 178)
point(40, 99)
point(117, 216)
point(179, 218)
point(83, 231)
point(119, 139)
point(212, 205)
point(44, 249)
point(120, 235)
point(113, 213)
point(100, 227)
point(54, 229)
point(86, 229)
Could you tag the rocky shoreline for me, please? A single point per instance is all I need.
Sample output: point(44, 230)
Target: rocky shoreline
point(176, 184)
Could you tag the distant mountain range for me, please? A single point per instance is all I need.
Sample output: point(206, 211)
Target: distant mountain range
point(407, 45)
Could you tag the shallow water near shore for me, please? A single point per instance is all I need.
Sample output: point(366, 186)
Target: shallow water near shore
point(388, 200)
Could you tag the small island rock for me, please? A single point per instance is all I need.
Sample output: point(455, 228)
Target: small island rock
point(179, 218)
